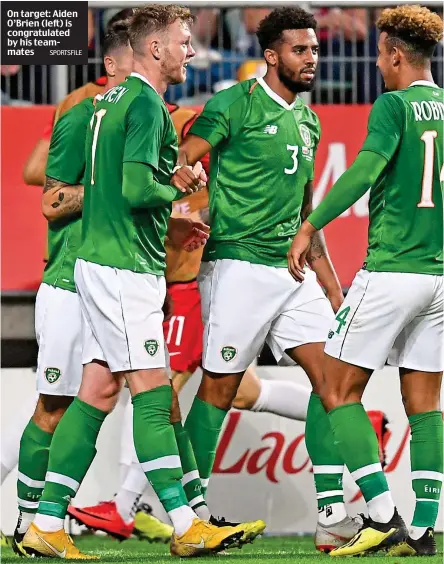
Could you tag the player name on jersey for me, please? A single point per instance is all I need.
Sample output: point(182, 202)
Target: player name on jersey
point(114, 95)
point(428, 110)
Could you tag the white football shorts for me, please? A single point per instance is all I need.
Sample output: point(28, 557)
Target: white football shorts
point(58, 332)
point(245, 305)
point(121, 316)
point(391, 317)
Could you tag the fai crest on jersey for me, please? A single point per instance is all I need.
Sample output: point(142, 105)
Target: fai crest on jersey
point(152, 346)
point(52, 375)
point(305, 134)
point(228, 353)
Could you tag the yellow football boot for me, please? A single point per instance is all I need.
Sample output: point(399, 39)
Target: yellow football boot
point(147, 527)
point(251, 529)
point(203, 538)
point(59, 544)
point(424, 546)
point(3, 540)
point(374, 536)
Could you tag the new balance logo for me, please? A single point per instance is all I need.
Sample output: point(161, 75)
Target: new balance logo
point(271, 129)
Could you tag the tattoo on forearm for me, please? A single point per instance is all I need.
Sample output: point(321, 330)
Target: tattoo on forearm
point(61, 198)
point(71, 202)
point(318, 248)
point(68, 199)
point(50, 183)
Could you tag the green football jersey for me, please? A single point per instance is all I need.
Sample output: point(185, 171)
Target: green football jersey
point(66, 163)
point(131, 124)
point(406, 204)
point(262, 157)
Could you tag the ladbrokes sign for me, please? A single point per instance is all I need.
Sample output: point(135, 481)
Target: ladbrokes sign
point(280, 454)
point(262, 468)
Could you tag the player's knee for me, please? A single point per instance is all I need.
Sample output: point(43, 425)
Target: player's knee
point(99, 388)
point(49, 411)
point(219, 389)
point(332, 395)
point(246, 397)
point(329, 399)
point(243, 402)
point(420, 404)
point(106, 399)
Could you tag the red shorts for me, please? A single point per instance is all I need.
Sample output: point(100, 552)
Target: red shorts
point(184, 331)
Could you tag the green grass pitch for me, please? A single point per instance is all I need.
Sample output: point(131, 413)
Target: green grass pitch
point(280, 550)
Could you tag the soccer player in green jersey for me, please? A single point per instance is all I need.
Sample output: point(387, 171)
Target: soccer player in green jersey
point(58, 315)
point(394, 310)
point(263, 141)
point(131, 150)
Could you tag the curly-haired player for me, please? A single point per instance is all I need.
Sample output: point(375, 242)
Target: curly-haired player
point(394, 310)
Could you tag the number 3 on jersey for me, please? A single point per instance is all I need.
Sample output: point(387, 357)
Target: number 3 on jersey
point(294, 156)
point(99, 115)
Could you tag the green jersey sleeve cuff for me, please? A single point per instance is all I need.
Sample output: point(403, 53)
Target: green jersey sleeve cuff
point(377, 143)
point(210, 126)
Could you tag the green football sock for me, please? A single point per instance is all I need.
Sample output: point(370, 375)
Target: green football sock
point(358, 445)
point(72, 451)
point(32, 466)
point(426, 456)
point(191, 480)
point(156, 446)
point(203, 424)
point(328, 465)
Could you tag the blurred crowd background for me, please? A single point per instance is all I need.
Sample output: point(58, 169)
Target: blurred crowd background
point(227, 51)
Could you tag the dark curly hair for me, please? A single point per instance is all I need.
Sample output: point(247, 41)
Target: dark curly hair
point(271, 27)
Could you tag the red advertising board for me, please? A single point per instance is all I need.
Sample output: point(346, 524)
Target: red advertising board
point(23, 227)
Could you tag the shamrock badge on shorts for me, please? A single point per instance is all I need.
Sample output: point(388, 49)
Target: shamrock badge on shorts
point(152, 346)
point(228, 353)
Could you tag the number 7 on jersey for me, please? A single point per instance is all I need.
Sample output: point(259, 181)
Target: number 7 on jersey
point(99, 115)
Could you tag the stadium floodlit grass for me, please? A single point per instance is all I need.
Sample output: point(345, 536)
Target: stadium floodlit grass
point(284, 550)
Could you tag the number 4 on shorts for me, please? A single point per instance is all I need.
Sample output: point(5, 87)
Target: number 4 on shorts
point(341, 317)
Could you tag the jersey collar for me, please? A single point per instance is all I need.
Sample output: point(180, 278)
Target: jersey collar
point(424, 83)
point(275, 96)
point(137, 75)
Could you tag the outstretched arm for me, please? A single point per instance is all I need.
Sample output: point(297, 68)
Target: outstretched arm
point(351, 186)
point(141, 190)
point(192, 149)
point(210, 128)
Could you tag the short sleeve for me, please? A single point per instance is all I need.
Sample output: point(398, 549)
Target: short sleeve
point(66, 158)
point(385, 126)
point(145, 124)
point(213, 123)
